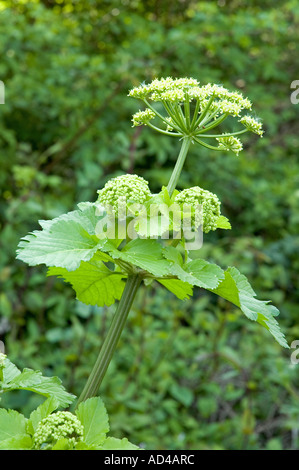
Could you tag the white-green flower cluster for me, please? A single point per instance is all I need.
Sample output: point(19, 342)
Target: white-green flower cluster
point(120, 192)
point(228, 142)
point(205, 207)
point(180, 89)
point(165, 89)
point(143, 117)
point(193, 110)
point(252, 125)
point(61, 424)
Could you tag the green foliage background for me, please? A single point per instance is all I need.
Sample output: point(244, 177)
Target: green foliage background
point(186, 375)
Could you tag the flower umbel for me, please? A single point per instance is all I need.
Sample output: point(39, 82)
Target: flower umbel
point(193, 110)
point(252, 125)
point(228, 142)
point(205, 207)
point(143, 117)
point(120, 192)
point(62, 424)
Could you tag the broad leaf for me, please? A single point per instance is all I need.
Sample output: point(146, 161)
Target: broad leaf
point(93, 415)
point(11, 424)
point(198, 272)
point(206, 274)
point(34, 381)
point(112, 443)
point(144, 253)
point(64, 242)
point(18, 442)
point(93, 282)
point(182, 290)
point(41, 412)
point(9, 371)
point(236, 289)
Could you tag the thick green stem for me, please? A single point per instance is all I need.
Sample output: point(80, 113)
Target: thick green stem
point(97, 374)
point(179, 165)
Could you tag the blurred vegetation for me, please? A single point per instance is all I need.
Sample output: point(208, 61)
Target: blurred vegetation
point(186, 375)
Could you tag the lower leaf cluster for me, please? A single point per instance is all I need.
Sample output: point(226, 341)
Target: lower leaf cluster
point(48, 428)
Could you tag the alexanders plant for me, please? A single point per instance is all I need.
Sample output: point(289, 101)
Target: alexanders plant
point(104, 268)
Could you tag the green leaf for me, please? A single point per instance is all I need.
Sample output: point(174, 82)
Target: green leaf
point(236, 289)
point(205, 274)
point(198, 272)
point(64, 242)
point(12, 424)
point(112, 443)
point(182, 290)
point(63, 444)
point(182, 394)
point(144, 253)
point(223, 222)
point(172, 254)
point(9, 371)
point(34, 381)
point(93, 282)
point(41, 412)
point(81, 445)
point(18, 442)
point(93, 415)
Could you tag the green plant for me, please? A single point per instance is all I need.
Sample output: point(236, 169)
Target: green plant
point(57, 150)
point(104, 266)
point(47, 429)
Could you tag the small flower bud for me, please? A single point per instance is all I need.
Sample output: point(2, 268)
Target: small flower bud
point(143, 117)
point(252, 125)
point(61, 424)
point(118, 193)
point(205, 207)
point(230, 143)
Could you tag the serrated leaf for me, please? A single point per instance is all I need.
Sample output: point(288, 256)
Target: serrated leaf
point(144, 253)
point(172, 254)
point(9, 371)
point(206, 274)
point(94, 418)
point(34, 381)
point(182, 290)
point(93, 282)
point(41, 412)
point(64, 242)
point(198, 272)
point(236, 289)
point(12, 423)
point(112, 443)
point(223, 222)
